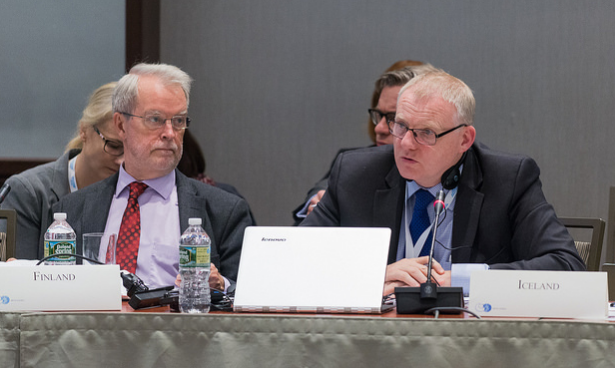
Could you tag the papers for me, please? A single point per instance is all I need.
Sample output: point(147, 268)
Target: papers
point(19, 263)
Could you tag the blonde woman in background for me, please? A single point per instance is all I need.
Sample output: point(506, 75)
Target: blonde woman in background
point(94, 153)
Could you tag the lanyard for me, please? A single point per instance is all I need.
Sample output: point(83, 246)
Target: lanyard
point(72, 180)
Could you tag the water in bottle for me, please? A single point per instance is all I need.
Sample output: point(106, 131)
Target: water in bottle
point(60, 240)
point(194, 268)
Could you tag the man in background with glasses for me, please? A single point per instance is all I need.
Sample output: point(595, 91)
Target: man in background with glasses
point(496, 215)
point(150, 107)
point(387, 87)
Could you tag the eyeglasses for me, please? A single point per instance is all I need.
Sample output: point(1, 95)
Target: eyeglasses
point(377, 115)
point(114, 148)
point(421, 136)
point(155, 121)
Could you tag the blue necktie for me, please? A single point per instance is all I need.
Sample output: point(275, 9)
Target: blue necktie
point(420, 219)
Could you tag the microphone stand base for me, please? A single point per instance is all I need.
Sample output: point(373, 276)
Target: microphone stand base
point(410, 300)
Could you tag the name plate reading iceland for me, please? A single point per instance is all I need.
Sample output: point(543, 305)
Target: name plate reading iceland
point(549, 294)
point(60, 288)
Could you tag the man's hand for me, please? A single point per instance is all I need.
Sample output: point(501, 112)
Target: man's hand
point(413, 272)
point(216, 281)
point(314, 201)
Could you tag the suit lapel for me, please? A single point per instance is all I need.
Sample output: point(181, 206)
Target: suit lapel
point(388, 207)
point(96, 207)
point(191, 204)
point(467, 209)
point(60, 186)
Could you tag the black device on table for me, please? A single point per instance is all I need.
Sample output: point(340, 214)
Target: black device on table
point(143, 297)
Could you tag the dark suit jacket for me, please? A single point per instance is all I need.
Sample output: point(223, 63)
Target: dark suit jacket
point(320, 185)
point(501, 215)
point(225, 216)
point(33, 192)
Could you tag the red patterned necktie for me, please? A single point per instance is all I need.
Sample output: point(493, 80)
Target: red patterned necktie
point(130, 230)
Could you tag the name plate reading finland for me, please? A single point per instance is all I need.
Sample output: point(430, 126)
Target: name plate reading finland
point(60, 288)
point(550, 294)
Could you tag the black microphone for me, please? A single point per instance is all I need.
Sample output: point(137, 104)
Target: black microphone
point(6, 188)
point(439, 204)
point(430, 297)
point(427, 289)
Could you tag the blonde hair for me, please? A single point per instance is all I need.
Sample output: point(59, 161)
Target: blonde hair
point(97, 111)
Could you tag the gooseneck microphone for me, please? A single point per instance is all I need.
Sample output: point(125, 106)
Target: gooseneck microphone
point(427, 289)
point(6, 188)
point(430, 297)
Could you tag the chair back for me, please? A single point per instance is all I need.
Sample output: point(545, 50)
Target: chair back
point(7, 240)
point(590, 251)
point(610, 238)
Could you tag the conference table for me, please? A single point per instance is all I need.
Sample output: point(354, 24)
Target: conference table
point(158, 338)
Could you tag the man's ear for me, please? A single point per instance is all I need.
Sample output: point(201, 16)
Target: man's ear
point(120, 122)
point(469, 135)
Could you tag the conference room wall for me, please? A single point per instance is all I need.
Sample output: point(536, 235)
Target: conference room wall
point(281, 86)
point(53, 55)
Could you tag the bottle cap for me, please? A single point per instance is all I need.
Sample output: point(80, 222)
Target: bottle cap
point(194, 221)
point(60, 216)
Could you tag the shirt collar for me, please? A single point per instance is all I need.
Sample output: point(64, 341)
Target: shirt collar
point(162, 185)
point(412, 187)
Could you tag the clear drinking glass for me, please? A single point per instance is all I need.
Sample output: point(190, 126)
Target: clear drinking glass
point(100, 247)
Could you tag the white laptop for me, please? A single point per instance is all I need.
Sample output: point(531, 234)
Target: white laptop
point(312, 269)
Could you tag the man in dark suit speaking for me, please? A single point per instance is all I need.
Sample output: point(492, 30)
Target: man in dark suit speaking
point(148, 202)
point(496, 214)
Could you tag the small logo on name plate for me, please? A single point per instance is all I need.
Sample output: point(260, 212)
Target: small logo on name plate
point(484, 307)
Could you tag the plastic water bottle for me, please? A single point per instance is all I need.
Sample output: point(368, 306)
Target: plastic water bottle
point(60, 239)
point(194, 268)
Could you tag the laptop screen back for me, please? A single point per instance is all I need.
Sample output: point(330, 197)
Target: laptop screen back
point(312, 269)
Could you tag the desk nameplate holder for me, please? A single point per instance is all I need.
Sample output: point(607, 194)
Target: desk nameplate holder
point(548, 294)
point(60, 288)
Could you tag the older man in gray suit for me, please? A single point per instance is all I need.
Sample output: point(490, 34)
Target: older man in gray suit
point(150, 107)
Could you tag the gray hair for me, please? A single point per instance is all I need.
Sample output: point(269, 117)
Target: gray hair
point(424, 69)
point(451, 89)
point(127, 90)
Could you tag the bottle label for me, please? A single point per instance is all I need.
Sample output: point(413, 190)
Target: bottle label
point(190, 256)
point(63, 249)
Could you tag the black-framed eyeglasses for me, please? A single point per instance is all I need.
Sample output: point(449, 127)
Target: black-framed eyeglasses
point(112, 147)
point(421, 136)
point(377, 115)
point(156, 121)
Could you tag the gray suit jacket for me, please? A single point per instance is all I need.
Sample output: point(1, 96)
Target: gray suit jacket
point(225, 216)
point(501, 215)
point(33, 192)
